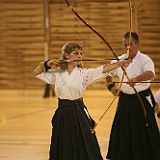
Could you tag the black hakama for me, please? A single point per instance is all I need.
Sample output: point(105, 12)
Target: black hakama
point(72, 138)
point(130, 139)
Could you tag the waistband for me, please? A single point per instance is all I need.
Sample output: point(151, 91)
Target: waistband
point(146, 92)
point(70, 103)
point(143, 94)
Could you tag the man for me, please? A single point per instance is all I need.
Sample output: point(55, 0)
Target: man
point(134, 134)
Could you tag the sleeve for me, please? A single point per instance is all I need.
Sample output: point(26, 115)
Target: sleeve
point(148, 64)
point(48, 77)
point(92, 75)
point(113, 72)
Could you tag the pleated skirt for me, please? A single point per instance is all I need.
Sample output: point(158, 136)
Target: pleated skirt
point(130, 138)
point(72, 138)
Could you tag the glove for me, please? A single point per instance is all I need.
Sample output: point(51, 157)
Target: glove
point(112, 88)
point(53, 62)
point(50, 64)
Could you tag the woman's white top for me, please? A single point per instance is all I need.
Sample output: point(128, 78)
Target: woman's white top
point(141, 63)
point(72, 86)
point(157, 97)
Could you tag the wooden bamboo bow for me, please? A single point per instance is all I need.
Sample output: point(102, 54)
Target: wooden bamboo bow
point(111, 49)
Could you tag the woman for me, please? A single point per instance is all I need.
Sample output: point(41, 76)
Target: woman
point(73, 137)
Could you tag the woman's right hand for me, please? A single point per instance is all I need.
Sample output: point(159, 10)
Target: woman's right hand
point(53, 63)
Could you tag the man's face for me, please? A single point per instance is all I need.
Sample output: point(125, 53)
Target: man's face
point(133, 47)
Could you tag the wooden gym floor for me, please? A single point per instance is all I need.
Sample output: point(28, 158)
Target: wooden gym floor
point(25, 127)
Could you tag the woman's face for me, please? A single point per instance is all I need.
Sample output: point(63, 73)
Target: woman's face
point(75, 56)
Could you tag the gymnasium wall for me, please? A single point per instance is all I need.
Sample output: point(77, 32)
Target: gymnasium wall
point(23, 34)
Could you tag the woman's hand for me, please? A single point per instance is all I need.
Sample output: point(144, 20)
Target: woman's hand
point(122, 63)
point(53, 63)
point(112, 88)
point(125, 63)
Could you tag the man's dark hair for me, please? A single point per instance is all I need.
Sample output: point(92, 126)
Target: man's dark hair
point(134, 36)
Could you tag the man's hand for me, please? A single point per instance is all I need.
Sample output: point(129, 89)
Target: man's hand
point(132, 82)
point(145, 76)
point(112, 88)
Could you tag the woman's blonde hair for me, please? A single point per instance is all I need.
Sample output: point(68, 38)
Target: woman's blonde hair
point(68, 48)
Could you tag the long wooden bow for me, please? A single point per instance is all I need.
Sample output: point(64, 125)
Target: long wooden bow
point(128, 48)
point(111, 49)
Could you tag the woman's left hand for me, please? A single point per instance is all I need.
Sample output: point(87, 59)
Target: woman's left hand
point(125, 63)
